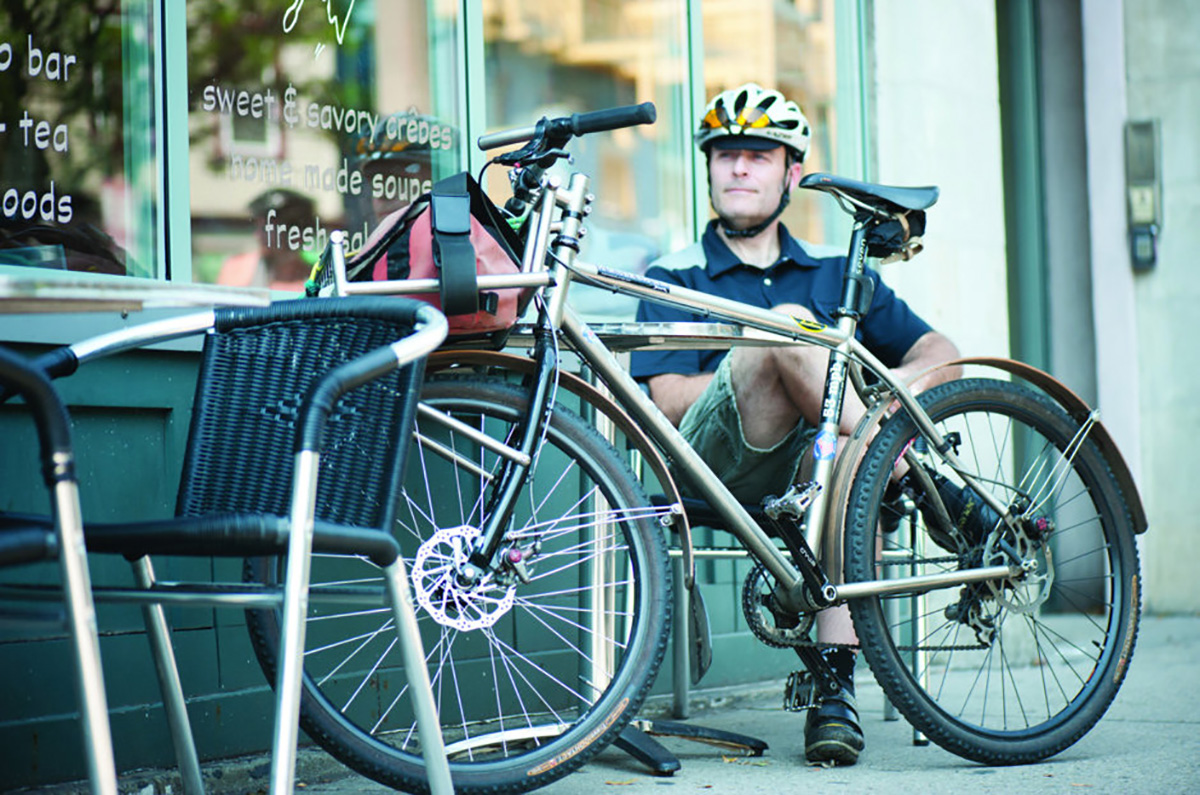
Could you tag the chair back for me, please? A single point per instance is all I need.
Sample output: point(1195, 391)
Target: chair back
point(256, 369)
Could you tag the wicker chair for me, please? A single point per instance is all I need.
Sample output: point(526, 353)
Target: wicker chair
point(301, 419)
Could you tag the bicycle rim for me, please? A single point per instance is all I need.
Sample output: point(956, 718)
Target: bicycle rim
point(1015, 671)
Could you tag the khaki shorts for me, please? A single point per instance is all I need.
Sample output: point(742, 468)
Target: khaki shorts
point(713, 427)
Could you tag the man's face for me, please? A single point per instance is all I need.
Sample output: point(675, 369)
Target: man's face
point(746, 184)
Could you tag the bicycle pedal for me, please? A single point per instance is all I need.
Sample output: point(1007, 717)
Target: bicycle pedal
point(794, 502)
point(801, 692)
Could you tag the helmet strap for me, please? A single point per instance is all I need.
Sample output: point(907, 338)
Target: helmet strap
point(759, 227)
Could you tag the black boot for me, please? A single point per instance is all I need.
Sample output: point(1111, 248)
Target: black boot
point(832, 734)
point(973, 518)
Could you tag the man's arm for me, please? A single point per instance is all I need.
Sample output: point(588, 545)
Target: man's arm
point(930, 349)
point(674, 393)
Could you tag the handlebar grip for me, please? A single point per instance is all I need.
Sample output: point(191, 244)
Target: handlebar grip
point(613, 118)
point(577, 124)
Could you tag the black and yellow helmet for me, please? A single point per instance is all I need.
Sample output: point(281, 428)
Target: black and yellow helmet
point(753, 117)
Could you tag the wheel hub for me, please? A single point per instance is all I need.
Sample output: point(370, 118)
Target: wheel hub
point(455, 600)
point(1030, 591)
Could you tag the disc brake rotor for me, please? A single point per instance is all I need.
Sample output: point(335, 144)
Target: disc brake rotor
point(1028, 593)
point(452, 600)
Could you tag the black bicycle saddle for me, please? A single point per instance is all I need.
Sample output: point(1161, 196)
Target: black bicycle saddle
point(886, 198)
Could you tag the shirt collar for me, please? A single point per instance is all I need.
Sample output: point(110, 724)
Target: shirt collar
point(720, 258)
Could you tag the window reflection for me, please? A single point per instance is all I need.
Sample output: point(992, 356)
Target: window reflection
point(551, 57)
point(545, 57)
point(77, 167)
point(788, 46)
point(310, 117)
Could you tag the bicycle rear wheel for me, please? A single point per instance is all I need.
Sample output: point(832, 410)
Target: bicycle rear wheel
point(535, 667)
point(1014, 671)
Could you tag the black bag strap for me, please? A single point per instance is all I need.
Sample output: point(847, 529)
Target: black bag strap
point(450, 218)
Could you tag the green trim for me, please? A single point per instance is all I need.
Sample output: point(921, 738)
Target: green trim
point(140, 202)
point(695, 101)
point(852, 154)
point(852, 158)
point(474, 94)
point(175, 197)
point(1021, 144)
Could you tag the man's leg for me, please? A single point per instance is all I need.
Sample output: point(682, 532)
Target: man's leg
point(832, 733)
point(777, 389)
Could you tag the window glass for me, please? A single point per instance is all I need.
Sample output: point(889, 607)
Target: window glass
point(553, 57)
point(78, 184)
point(311, 117)
point(788, 46)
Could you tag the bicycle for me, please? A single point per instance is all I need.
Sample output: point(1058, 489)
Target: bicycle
point(541, 570)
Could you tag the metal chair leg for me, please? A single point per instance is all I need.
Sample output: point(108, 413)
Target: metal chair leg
point(429, 725)
point(289, 677)
point(174, 705)
point(81, 625)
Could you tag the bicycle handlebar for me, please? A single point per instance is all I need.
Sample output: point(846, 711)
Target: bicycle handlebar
point(577, 124)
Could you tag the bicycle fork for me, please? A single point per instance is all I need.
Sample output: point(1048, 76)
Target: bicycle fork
point(515, 469)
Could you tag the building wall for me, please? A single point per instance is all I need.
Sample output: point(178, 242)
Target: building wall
point(936, 120)
point(933, 118)
point(1162, 67)
point(1114, 336)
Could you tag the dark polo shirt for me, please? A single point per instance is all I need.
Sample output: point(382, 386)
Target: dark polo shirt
point(803, 274)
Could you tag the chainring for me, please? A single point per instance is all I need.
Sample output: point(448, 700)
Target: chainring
point(765, 618)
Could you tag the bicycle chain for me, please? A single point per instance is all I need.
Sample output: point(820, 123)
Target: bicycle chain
point(790, 639)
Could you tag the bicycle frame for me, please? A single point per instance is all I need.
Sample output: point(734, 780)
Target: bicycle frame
point(552, 240)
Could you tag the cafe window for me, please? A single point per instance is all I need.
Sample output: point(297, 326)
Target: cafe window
point(550, 57)
point(78, 162)
point(304, 117)
point(789, 47)
point(311, 117)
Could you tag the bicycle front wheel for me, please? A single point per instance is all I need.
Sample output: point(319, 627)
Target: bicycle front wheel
point(1009, 671)
point(536, 665)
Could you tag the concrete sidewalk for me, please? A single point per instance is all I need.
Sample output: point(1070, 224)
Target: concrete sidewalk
point(1148, 742)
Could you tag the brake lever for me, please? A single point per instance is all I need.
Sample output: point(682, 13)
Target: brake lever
point(551, 156)
point(532, 151)
point(545, 147)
